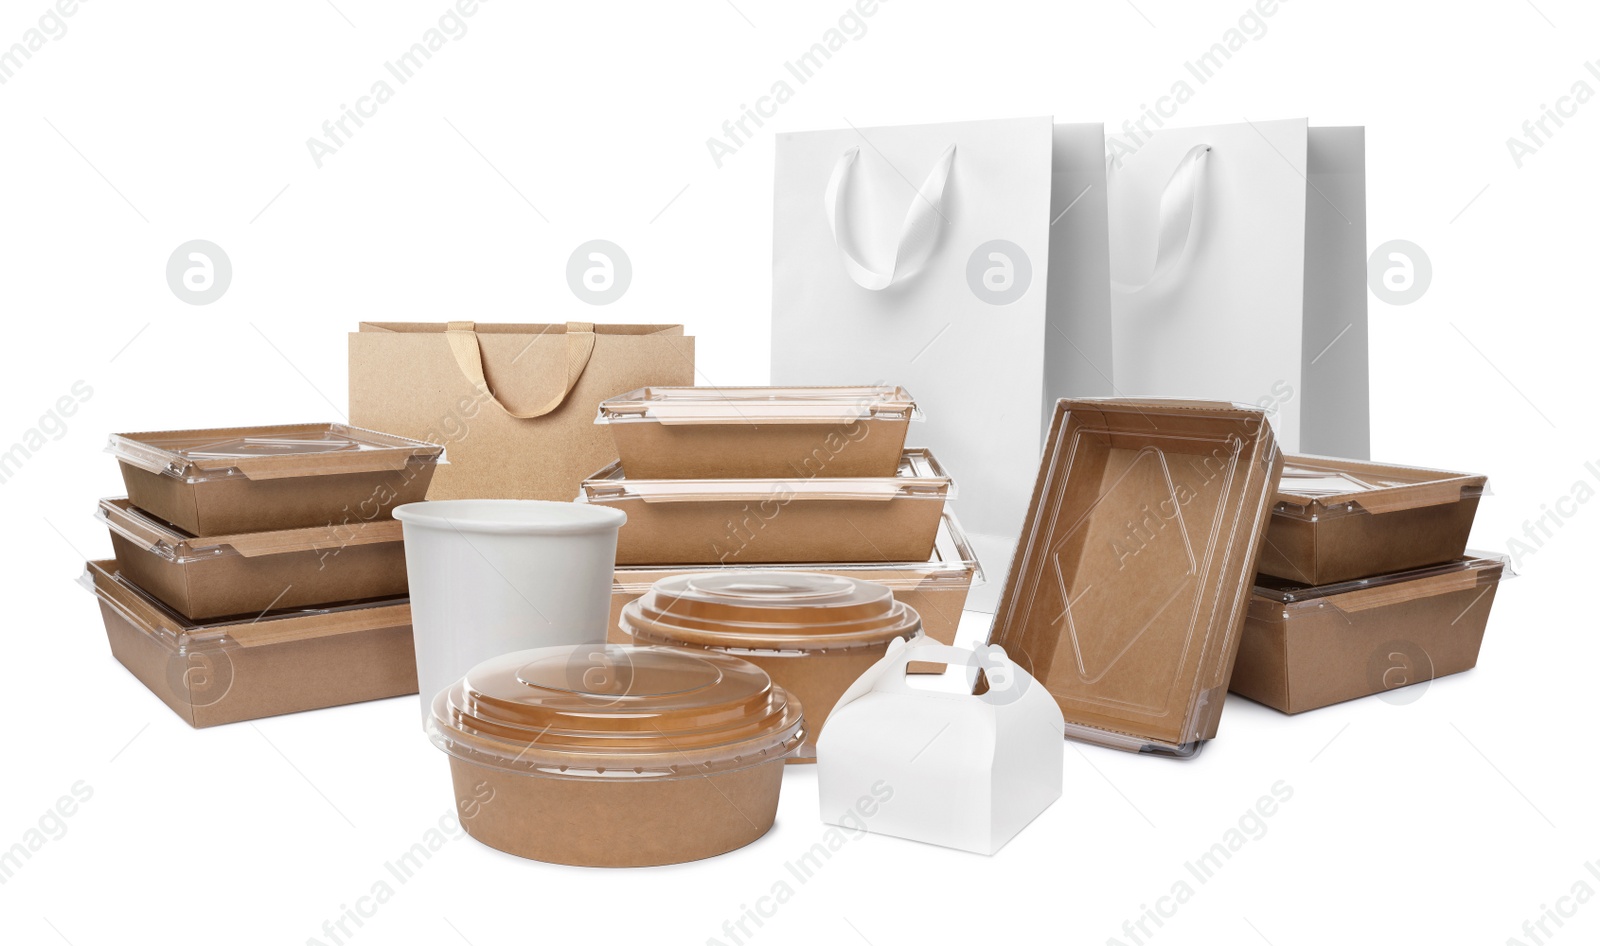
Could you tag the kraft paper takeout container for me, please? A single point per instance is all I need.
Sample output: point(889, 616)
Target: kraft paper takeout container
point(1310, 646)
point(815, 634)
point(935, 588)
point(605, 756)
point(255, 571)
point(257, 479)
point(777, 520)
point(1129, 588)
point(759, 432)
point(1341, 519)
point(282, 662)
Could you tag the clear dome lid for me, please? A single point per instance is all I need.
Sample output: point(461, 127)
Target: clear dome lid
point(770, 610)
point(610, 711)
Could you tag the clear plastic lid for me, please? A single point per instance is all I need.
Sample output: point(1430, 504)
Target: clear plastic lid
point(759, 405)
point(920, 476)
point(179, 547)
point(770, 610)
point(1324, 487)
point(178, 633)
point(1475, 567)
point(610, 711)
point(1129, 587)
point(269, 452)
point(953, 562)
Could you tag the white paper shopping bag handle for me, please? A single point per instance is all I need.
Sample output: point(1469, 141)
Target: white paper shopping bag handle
point(463, 339)
point(918, 232)
point(1179, 201)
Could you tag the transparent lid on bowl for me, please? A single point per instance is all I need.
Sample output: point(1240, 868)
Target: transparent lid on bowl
point(1322, 487)
point(268, 452)
point(919, 476)
point(769, 610)
point(760, 405)
point(612, 711)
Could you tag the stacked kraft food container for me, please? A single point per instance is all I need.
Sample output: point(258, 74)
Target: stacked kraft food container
point(258, 570)
point(796, 479)
point(1365, 584)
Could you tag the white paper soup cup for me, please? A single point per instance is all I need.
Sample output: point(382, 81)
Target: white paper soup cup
point(491, 576)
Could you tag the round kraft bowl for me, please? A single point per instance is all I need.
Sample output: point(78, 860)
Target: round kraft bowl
point(814, 634)
point(601, 755)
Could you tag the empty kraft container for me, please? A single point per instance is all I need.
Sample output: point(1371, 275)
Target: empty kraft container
point(217, 672)
point(1129, 588)
point(1335, 520)
point(759, 432)
point(936, 588)
point(258, 479)
point(777, 520)
point(815, 634)
point(1310, 646)
point(605, 756)
point(253, 572)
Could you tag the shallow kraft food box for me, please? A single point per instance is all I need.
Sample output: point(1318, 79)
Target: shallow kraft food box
point(1129, 588)
point(777, 520)
point(1338, 519)
point(229, 671)
point(1306, 647)
point(757, 432)
point(251, 572)
point(936, 588)
point(288, 476)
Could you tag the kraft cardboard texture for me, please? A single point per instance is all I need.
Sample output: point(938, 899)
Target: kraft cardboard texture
point(595, 822)
point(294, 664)
point(250, 573)
point(414, 378)
point(798, 529)
point(657, 451)
point(1409, 518)
point(224, 495)
point(1128, 594)
point(1302, 655)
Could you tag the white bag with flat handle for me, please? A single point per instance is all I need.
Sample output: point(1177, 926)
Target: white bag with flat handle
point(953, 768)
point(1238, 273)
point(966, 262)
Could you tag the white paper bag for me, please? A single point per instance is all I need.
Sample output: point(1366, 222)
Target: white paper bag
point(965, 261)
point(1238, 272)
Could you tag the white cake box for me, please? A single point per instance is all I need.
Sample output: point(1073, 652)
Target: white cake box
point(958, 769)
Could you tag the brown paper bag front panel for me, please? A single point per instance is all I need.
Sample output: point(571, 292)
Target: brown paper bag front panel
point(408, 382)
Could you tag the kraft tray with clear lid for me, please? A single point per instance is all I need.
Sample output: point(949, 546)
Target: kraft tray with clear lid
point(256, 479)
point(937, 587)
point(792, 519)
point(1335, 519)
point(1307, 646)
point(1130, 586)
point(759, 432)
point(234, 669)
point(247, 573)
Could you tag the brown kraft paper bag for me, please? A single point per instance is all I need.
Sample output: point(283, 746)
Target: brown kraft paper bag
point(514, 405)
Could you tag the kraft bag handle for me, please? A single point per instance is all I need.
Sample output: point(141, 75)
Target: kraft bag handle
point(1180, 200)
point(919, 231)
point(463, 339)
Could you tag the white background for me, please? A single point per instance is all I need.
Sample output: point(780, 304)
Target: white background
point(1452, 819)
